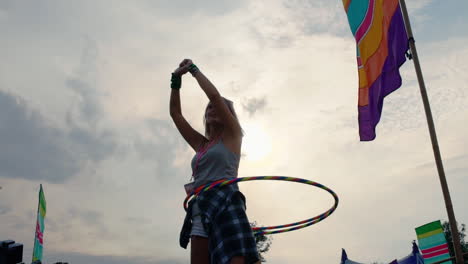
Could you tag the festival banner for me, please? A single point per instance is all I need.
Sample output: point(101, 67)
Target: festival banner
point(433, 244)
point(39, 236)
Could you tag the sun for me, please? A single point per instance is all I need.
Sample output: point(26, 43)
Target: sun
point(256, 143)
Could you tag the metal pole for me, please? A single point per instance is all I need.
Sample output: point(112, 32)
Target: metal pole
point(435, 144)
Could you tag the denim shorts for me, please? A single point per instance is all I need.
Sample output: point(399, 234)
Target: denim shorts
point(197, 225)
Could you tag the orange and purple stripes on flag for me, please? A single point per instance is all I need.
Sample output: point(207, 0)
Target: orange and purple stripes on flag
point(382, 42)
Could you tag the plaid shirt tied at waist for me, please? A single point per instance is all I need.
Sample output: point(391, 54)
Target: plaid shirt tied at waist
point(226, 223)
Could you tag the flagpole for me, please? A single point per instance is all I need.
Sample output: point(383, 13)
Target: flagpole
point(435, 144)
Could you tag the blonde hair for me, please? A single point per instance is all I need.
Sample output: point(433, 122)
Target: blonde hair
point(230, 105)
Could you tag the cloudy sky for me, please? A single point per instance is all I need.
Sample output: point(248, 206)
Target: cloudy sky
point(84, 92)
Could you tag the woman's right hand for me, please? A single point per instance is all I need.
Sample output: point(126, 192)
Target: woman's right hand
point(183, 67)
point(186, 62)
point(181, 71)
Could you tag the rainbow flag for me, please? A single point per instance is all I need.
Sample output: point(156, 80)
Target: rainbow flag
point(39, 236)
point(433, 244)
point(382, 42)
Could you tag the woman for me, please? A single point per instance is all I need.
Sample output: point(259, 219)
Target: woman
point(216, 223)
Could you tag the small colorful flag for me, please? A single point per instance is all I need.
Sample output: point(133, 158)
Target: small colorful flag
point(433, 243)
point(382, 43)
point(39, 236)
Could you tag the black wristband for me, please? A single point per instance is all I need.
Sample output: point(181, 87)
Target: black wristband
point(193, 69)
point(176, 81)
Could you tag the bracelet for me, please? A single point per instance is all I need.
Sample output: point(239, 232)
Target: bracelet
point(193, 69)
point(176, 81)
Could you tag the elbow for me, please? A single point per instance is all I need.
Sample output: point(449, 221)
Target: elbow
point(174, 113)
point(174, 110)
point(214, 96)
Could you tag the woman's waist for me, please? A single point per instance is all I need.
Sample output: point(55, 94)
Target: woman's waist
point(199, 183)
point(210, 171)
point(205, 178)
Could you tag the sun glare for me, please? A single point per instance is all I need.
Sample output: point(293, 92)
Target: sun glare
point(256, 144)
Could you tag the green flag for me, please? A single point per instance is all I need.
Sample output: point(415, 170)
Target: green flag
point(39, 236)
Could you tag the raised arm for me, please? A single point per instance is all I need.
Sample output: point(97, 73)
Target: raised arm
point(217, 100)
point(193, 138)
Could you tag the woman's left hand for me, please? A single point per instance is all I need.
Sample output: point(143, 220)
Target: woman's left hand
point(183, 67)
point(186, 62)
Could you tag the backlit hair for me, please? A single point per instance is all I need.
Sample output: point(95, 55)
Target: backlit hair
point(230, 105)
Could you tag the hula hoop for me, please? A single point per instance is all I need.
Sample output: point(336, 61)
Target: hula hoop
point(268, 230)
